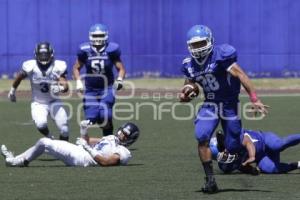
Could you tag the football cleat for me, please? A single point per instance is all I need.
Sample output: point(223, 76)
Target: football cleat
point(5, 152)
point(210, 185)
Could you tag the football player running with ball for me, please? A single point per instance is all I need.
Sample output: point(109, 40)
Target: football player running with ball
point(216, 70)
point(99, 57)
point(106, 151)
point(47, 78)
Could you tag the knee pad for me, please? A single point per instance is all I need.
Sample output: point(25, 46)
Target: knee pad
point(43, 142)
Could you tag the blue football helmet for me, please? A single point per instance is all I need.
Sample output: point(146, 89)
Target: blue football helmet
point(98, 35)
point(200, 41)
point(131, 133)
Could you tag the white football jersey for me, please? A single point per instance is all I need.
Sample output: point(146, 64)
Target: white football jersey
point(40, 82)
point(108, 146)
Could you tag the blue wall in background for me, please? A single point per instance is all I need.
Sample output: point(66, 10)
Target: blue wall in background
point(152, 33)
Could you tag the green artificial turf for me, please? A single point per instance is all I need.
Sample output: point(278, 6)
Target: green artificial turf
point(165, 162)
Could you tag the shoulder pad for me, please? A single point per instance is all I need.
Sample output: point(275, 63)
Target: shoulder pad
point(85, 46)
point(28, 65)
point(112, 47)
point(186, 60)
point(60, 66)
point(227, 51)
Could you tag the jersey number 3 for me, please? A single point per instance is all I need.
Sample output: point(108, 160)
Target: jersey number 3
point(97, 66)
point(44, 87)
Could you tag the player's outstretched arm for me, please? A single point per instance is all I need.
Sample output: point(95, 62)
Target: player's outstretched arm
point(113, 160)
point(12, 93)
point(236, 71)
point(76, 75)
point(121, 70)
point(247, 142)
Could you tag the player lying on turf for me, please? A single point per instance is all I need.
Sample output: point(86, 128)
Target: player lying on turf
point(261, 148)
point(106, 151)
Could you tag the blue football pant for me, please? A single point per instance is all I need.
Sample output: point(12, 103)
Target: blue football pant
point(274, 145)
point(208, 118)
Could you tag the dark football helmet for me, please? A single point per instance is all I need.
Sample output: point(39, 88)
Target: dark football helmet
point(44, 54)
point(128, 133)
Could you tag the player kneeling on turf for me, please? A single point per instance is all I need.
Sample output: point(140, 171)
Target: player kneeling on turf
point(106, 151)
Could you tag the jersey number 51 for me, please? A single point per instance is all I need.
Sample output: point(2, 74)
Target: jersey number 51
point(97, 66)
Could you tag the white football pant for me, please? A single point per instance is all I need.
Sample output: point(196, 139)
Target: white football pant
point(39, 113)
point(70, 154)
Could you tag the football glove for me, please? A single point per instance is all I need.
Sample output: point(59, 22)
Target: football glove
point(118, 83)
point(12, 95)
point(79, 85)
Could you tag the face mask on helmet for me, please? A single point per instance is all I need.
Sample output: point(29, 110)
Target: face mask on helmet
point(200, 42)
point(226, 157)
point(98, 36)
point(200, 48)
point(128, 134)
point(44, 54)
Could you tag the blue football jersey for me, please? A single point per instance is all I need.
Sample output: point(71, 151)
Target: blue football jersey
point(217, 83)
point(99, 65)
point(258, 141)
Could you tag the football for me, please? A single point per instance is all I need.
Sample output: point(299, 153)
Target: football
point(189, 91)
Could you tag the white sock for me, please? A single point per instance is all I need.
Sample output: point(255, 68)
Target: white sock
point(298, 164)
